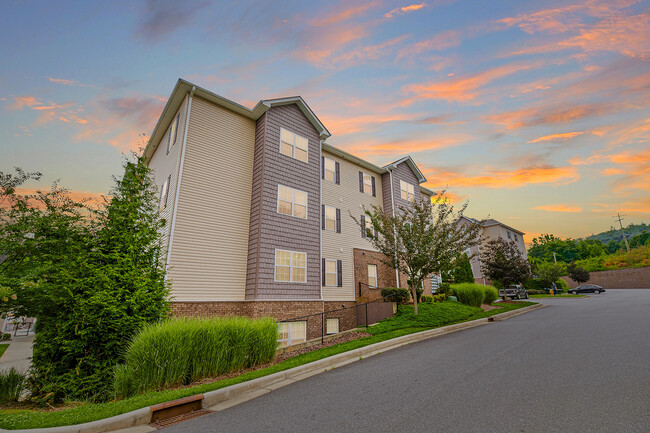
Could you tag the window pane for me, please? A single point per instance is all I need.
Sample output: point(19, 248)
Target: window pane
point(330, 225)
point(330, 165)
point(283, 331)
point(300, 211)
point(330, 279)
point(284, 207)
point(299, 259)
point(300, 197)
point(298, 275)
point(301, 143)
point(367, 183)
point(332, 326)
point(330, 266)
point(285, 193)
point(286, 149)
point(298, 332)
point(283, 258)
point(330, 212)
point(286, 136)
point(301, 155)
point(411, 197)
point(330, 175)
point(372, 270)
point(282, 273)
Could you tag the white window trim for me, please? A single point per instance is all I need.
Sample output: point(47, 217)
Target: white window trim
point(289, 336)
point(164, 194)
point(293, 202)
point(275, 266)
point(404, 188)
point(369, 185)
point(326, 219)
point(293, 145)
point(338, 326)
point(330, 171)
point(336, 273)
point(376, 276)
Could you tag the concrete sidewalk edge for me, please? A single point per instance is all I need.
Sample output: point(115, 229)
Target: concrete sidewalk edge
point(142, 416)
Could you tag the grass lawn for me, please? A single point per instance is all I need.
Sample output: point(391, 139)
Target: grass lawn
point(403, 323)
point(3, 347)
point(566, 295)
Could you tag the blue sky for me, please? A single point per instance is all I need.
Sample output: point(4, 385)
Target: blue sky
point(535, 112)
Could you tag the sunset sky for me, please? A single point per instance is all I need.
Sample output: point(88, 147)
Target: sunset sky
point(537, 112)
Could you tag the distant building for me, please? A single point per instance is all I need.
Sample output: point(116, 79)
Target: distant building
point(493, 229)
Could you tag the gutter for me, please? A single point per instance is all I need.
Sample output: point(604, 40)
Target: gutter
point(178, 183)
point(392, 202)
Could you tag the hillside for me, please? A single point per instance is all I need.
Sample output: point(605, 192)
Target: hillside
point(617, 236)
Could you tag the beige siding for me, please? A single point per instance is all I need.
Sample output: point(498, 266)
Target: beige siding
point(339, 246)
point(210, 248)
point(165, 165)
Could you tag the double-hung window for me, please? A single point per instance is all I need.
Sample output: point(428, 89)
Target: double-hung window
point(292, 333)
point(367, 183)
point(293, 145)
point(332, 273)
point(173, 132)
point(407, 191)
point(367, 230)
point(290, 266)
point(330, 218)
point(372, 276)
point(292, 202)
point(331, 170)
point(332, 326)
point(164, 192)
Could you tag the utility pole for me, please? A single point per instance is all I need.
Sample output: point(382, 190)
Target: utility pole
point(620, 221)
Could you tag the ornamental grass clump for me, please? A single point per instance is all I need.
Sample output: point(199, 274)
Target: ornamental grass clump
point(475, 294)
point(12, 383)
point(179, 351)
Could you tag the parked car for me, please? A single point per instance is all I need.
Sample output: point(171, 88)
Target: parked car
point(515, 291)
point(587, 288)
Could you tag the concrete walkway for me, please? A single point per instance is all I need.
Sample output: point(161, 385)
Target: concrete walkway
point(18, 355)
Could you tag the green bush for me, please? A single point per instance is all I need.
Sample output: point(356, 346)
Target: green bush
point(12, 383)
point(179, 351)
point(445, 289)
point(427, 299)
point(491, 294)
point(5, 336)
point(535, 292)
point(469, 294)
point(562, 286)
point(396, 295)
point(439, 298)
point(535, 284)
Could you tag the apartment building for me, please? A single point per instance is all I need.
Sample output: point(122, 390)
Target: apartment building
point(259, 210)
point(493, 229)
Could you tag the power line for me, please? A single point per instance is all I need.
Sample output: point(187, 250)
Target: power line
point(620, 221)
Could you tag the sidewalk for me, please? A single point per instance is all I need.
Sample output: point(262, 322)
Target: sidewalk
point(19, 354)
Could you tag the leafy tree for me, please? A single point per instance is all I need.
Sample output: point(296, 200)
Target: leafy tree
point(463, 270)
point(501, 262)
point(549, 272)
point(422, 238)
point(577, 274)
point(92, 278)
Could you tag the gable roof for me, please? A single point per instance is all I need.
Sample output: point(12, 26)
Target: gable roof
point(184, 87)
point(492, 222)
point(409, 161)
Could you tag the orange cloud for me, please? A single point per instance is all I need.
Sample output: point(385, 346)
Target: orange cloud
point(341, 125)
point(550, 115)
point(439, 42)
point(563, 136)
point(342, 14)
point(48, 112)
point(21, 102)
point(559, 208)
point(406, 146)
point(461, 89)
point(404, 9)
point(498, 178)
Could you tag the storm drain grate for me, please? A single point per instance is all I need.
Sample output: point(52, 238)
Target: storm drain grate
point(180, 418)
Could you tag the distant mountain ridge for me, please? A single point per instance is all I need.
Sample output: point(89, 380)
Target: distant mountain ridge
point(617, 236)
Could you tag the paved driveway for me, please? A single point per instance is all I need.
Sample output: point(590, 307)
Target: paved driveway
point(579, 365)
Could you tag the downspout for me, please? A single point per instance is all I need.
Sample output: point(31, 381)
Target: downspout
point(178, 183)
point(392, 202)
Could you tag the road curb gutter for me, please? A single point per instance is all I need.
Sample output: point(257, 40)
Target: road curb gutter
point(142, 416)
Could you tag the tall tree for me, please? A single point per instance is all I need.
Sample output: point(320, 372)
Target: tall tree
point(421, 238)
point(502, 262)
point(549, 272)
point(577, 274)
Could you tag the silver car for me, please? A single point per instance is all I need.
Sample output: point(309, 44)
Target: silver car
point(514, 291)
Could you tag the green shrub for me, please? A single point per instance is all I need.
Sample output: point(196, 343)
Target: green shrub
point(439, 298)
point(179, 351)
point(396, 295)
point(469, 294)
point(445, 289)
point(418, 293)
point(12, 383)
point(426, 298)
point(562, 286)
point(5, 336)
point(535, 284)
point(535, 292)
point(491, 294)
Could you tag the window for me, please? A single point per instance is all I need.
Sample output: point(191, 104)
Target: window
point(292, 202)
point(508, 232)
point(164, 192)
point(331, 170)
point(173, 131)
point(290, 266)
point(292, 333)
point(293, 145)
point(372, 275)
point(330, 273)
point(407, 190)
point(366, 183)
point(367, 231)
point(332, 326)
point(516, 240)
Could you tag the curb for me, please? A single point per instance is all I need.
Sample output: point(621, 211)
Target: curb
point(142, 416)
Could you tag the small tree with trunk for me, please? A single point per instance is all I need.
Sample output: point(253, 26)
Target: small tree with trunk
point(421, 238)
point(577, 274)
point(501, 262)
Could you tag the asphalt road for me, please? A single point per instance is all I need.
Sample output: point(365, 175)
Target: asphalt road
point(578, 365)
